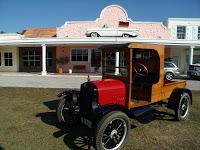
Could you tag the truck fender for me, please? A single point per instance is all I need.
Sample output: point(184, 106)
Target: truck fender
point(176, 94)
point(113, 107)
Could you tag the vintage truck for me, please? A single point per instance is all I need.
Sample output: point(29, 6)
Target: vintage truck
point(132, 79)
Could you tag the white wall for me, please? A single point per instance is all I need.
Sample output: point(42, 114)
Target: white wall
point(191, 27)
point(15, 56)
point(8, 36)
point(180, 53)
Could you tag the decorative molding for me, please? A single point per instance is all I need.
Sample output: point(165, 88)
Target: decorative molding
point(93, 41)
point(185, 19)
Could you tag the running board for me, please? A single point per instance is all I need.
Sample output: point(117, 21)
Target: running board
point(140, 110)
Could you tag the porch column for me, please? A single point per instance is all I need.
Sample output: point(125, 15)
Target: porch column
point(116, 63)
point(44, 70)
point(191, 55)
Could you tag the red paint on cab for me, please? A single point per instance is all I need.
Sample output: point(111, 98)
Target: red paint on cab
point(111, 91)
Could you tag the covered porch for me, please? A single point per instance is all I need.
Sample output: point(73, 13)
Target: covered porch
point(183, 55)
point(83, 53)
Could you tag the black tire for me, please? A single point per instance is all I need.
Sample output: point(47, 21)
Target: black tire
point(94, 34)
point(183, 106)
point(113, 127)
point(126, 35)
point(169, 76)
point(67, 113)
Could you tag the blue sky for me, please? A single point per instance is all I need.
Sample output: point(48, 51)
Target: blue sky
point(16, 15)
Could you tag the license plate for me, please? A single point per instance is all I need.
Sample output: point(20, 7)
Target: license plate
point(86, 122)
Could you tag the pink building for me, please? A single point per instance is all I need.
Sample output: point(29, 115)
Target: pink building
point(71, 42)
point(113, 16)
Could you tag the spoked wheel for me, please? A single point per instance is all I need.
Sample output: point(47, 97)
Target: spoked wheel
point(169, 76)
point(112, 131)
point(67, 112)
point(182, 110)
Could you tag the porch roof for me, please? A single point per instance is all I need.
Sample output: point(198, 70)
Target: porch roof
point(95, 41)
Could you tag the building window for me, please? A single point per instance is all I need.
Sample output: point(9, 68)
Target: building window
point(95, 57)
point(199, 33)
point(79, 55)
point(8, 59)
point(49, 59)
point(31, 58)
point(181, 31)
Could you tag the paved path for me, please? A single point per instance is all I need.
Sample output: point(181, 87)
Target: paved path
point(50, 81)
point(59, 81)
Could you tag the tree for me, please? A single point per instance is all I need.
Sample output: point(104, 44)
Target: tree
point(23, 31)
point(1, 32)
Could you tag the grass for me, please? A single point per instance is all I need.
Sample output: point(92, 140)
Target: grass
point(28, 122)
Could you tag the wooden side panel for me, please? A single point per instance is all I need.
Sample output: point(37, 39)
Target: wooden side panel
point(156, 91)
point(169, 87)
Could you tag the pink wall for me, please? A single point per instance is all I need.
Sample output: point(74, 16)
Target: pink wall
point(63, 51)
point(111, 16)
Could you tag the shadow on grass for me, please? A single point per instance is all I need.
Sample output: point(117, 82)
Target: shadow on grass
point(1, 148)
point(77, 137)
point(154, 114)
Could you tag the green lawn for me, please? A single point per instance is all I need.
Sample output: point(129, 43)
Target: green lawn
point(28, 121)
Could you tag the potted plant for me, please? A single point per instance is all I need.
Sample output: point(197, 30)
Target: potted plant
point(61, 61)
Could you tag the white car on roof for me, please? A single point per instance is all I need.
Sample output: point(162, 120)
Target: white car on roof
point(112, 32)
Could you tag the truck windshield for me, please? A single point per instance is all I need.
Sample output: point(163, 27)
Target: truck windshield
point(116, 63)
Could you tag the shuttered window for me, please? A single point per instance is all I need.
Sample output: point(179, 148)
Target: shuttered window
point(181, 32)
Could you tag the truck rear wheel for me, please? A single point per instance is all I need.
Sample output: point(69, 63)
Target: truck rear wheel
point(183, 106)
point(112, 131)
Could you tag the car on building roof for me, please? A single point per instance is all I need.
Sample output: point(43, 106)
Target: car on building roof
point(194, 71)
point(111, 32)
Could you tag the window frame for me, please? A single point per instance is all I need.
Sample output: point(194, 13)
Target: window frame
point(34, 60)
point(49, 60)
point(9, 63)
point(181, 33)
point(79, 61)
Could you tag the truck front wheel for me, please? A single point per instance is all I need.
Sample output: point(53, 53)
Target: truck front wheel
point(112, 131)
point(67, 112)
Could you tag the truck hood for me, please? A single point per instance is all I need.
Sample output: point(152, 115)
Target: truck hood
point(110, 92)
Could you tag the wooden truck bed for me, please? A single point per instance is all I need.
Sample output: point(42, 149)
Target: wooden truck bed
point(169, 86)
point(159, 92)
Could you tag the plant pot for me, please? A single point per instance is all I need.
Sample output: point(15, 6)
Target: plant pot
point(70, 71)
point(60, 71)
